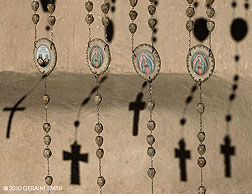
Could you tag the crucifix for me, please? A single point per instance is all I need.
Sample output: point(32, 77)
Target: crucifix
point(228, 151)
point(137, 106)
point(182, 154)
point(12, 111)
point(75, 157)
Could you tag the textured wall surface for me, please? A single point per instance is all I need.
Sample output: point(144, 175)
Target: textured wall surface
point(125, 162)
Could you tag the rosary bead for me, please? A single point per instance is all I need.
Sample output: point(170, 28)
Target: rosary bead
point(105, 21)
point(151, 151)
point(190, 12)
point(51, 7)
point(201, 149)
point(152, 22)
point(151, 125)
point(190, 1)
point(101, 181)
point(201, 136)
point(47, 153)
point(201, 162)
point(210, 12)
point(132, 28)
point(49, 180)
point(46, 99)
point(190, 25)
point(98, 99)
point(202, 189)
point(99, 141)
point(51, 20)
point(201, 108)
point(105, 8)
point(99, 153)
point(98, 128)
point(89, 18)
point(151, 172)
point(35, 18)
point(47, 139)
point(210, 2)
point(152, 9)
point(133, 3)
point(46, 127)
point(210, 25)
point(151, 105)
point(89, 6)
point(133, 14)
point(35, 5)
point(150, 139)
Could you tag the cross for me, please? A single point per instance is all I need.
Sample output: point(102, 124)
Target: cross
point(137, 106)
point(12, 111)
point(228, 151)
point(75, 156)
point(182, 154)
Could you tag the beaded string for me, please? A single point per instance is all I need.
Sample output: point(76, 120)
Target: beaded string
point(190, 12)
point(46, 99)
point(201, 137)
point(98, 98)
point(151, 104)
point(210, 23)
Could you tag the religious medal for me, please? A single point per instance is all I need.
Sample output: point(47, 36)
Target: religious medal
point(200, 65)
point(45, 59)
point(147, 64)
point(98, 60)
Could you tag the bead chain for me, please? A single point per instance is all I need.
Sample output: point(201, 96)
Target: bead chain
point(151, 139)
point(210, 24)
point(151, 104)
point(132, 26)
point(47, 138)
point(201, 136)
point(98, 127)
point(99, 139)
point(46, 99)
point(190, 24)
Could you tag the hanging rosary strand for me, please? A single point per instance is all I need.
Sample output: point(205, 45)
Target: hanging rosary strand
point(98, 59)
point(200, 66)
point(45, 58)
point(147, 64)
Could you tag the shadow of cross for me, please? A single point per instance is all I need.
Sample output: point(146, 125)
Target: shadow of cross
point(182, 154)
point(12, 111)
point(137, 106)
point(75, 157)
point(228, 151)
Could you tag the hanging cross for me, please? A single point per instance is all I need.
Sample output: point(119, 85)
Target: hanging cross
point(182, 154)
point(137, 106)
point(12, 111)
point(75, 156)
point(228, 151)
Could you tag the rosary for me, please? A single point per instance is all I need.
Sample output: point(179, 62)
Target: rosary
point(147, 64)
point(98, 60)
point(200, 65)
point(45, 58)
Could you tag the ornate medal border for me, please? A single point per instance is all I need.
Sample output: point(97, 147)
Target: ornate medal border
point(53, 54)
point(211, 61)
point(157, 60)
point(106, 60)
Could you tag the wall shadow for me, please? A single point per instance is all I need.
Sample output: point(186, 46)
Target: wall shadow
point(137, 106)
point(16, 108)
